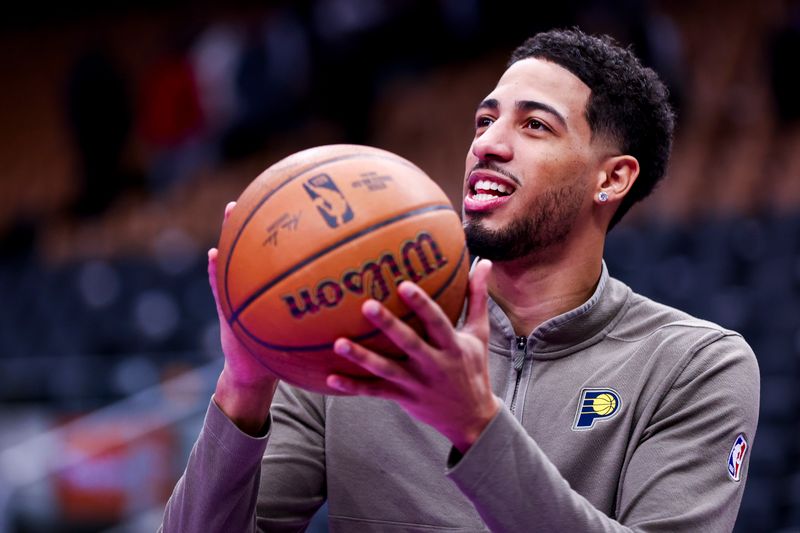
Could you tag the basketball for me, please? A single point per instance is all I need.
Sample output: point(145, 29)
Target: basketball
point(316, 235)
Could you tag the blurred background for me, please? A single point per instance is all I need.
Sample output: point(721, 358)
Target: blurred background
point(127, 126)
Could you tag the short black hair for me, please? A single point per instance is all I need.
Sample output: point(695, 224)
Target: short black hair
point(629, 103)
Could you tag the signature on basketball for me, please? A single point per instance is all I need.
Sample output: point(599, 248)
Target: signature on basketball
point(372, 181)
point(286, 222)
point(417, 258)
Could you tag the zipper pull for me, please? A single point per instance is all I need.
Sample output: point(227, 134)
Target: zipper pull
point(519, 355)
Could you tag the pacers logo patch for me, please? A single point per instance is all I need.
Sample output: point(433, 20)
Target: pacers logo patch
point(594, 405)
point(736, 458)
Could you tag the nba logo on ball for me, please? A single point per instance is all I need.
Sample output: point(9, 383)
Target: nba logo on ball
point(329, 200)
point(594, 405)
point(736, 458)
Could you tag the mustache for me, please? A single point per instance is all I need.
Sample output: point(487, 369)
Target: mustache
point(490, 165)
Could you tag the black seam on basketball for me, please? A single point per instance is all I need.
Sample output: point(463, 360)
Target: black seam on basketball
point(363, 336)
point(283, 184)
point(304, 262)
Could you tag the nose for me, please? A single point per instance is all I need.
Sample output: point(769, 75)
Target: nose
point(493, 144)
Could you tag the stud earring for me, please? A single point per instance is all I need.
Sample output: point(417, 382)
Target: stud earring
point(602, 196)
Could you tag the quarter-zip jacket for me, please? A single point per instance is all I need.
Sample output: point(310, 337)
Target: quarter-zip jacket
point(622, 415)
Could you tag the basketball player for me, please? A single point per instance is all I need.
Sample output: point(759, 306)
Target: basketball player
point(563, 402)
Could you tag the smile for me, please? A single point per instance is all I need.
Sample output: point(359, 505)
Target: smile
point(487, 192)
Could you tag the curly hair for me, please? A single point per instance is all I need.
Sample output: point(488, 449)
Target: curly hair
point(628, 102)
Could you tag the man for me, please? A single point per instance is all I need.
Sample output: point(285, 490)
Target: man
point(564, 402)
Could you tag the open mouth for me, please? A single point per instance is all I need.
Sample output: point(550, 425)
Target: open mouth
point(485, 189)
point(487, 192)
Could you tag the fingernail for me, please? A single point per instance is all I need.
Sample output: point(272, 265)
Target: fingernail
point(407, 290)
point(342, 347)
point(336, 383)
point(371, 308)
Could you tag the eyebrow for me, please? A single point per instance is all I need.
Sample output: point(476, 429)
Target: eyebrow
point(527, 105)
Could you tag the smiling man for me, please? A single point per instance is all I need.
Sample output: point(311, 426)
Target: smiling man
point(563, 401)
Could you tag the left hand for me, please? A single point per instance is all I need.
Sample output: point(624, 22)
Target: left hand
point(444, 382)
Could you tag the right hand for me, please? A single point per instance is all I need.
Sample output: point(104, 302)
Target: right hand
point(245, 387)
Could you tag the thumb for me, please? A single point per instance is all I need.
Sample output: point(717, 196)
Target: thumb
point(477, 309)
point(212, 265)
point(212, 280)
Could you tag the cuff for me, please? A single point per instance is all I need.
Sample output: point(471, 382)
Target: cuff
point(468, 469)
point(230, 438)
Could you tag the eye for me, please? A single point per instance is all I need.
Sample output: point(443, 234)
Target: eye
point(483, 122)
point(535, 124)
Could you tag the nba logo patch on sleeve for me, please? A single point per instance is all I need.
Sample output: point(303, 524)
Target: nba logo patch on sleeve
point(736, 457)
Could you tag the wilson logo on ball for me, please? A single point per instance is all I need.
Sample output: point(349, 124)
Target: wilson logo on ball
point(329, 200)
point(419, 258)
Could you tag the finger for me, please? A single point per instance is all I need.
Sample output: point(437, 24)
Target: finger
point(228, 210)
point(477, 309)
point(437, 325)
point(370, 361)
point(400, 333)
point(212, 280)
point(359, 386)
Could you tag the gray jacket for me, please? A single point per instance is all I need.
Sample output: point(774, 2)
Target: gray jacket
point(622, 415)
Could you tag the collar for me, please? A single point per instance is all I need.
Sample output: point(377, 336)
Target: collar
point(569, 332)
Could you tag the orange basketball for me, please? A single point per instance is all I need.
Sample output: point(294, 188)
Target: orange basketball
point(316, 235)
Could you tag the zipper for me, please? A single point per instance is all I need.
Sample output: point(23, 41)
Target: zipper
point(519, 360)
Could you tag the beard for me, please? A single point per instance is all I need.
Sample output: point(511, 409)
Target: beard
point(551, 218)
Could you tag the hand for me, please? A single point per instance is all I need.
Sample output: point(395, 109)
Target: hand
point(245, 387)
point(444, 382)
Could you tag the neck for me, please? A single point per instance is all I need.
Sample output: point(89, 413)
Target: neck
point(534, 289)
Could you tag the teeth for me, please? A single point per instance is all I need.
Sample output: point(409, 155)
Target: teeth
point(483, 197)
point(486, 185)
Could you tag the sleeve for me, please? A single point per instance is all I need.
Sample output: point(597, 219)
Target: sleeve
point(293, 479)
point(675, 478)
point(236, 482)
point(218, 489)
point(678, 478)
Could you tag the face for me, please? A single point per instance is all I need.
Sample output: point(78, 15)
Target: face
point(532, 162)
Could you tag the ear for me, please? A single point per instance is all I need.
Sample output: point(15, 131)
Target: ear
point(616, 178)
